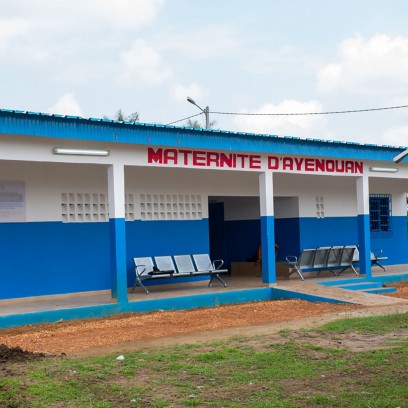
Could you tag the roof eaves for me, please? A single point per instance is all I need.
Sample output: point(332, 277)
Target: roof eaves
point(214, 131)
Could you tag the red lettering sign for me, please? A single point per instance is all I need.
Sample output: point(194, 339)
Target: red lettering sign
point(273, 163)
point(201, 158)
point(254, 162)
point(156, 157)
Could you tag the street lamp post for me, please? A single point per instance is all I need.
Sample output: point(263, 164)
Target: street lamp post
point(401, 156)
point(206, 112)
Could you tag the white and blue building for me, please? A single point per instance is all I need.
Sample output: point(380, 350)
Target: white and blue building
point(79, 198)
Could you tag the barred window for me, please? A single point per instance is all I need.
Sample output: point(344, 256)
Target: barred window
point(380, 213)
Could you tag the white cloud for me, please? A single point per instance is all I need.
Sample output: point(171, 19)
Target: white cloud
point(126, 13)
point(285, 59)
point(329, 77)
point(60, 33)
point(66, 105)
point(302, 126)
point(10, 28)
point(217, 40)
point(378, 65)
point(395, 136)
point(180, 92)
point(86, 15)
point(143, 62)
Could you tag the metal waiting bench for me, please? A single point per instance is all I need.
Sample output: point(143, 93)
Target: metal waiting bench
point(375, 257)
point(322, 259)
point(163, 267)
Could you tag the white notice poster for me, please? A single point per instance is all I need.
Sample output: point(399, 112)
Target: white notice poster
point(12, 201)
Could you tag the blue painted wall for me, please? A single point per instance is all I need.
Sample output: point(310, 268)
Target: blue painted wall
point(316, 232)
point(157, 238)
point(47, 258)
point(287, 235)
point(242, 240)
point(394, 246)
point(44, 258)
point(244, 237)
point(295, 234)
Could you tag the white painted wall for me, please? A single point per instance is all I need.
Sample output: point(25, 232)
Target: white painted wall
point(45, 182)
point(46, 176)
point(339, 193)
point(24, 148)
point(188, 181)
point(286, 207)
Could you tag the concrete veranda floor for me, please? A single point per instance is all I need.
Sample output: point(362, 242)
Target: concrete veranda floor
point(239, 283)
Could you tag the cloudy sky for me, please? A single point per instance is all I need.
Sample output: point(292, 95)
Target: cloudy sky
point(92, 57)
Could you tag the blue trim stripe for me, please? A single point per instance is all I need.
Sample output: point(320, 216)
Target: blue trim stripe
point(117, 230)
point(386, 279)
point(402, 277)
point(364, 244)
point(268, 249)
point(343, 282)
point(99, 130)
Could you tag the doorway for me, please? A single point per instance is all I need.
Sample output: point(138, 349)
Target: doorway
point(216, 224)
point(234, 228)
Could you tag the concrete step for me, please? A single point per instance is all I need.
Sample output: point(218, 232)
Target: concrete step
point(334, 293)
point(341, 282)
point(361, 286)
point(379, 291)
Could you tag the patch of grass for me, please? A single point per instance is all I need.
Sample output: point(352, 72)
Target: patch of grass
point(10, 391)
point(160, 403)
point(372, 324)
point(284, 332)
point(215, 355)
point(254, 374)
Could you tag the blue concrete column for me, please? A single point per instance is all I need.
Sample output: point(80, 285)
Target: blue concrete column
point(363, 224)
point(267, 228)
point(117, 231)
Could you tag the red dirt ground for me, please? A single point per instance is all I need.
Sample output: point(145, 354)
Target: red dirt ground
point(137, 330)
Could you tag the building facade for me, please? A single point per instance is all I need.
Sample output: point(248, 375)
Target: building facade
point(80, 198)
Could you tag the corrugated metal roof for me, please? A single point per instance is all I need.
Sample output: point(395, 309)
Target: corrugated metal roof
point(100, 129)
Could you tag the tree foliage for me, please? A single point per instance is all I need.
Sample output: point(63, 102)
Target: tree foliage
point(195, 124)
point(122, 117)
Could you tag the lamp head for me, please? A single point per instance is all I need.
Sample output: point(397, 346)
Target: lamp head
point(191, 100)
point(401, 156)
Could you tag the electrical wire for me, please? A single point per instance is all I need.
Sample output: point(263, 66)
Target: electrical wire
point(308, 113)
point(180, 120)
point(292, 114)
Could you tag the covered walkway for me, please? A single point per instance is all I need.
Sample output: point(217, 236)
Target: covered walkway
point(240, 289)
